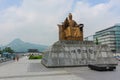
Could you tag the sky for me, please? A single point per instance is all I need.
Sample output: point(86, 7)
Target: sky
point(36, 20)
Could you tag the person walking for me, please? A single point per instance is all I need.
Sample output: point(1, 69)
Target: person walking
point(17, 57)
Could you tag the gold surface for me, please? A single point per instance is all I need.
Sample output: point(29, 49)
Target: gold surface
point(70, 30)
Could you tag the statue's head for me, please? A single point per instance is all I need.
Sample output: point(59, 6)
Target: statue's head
point(70, 16)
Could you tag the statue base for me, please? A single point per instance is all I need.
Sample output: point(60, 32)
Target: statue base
point(72, 53)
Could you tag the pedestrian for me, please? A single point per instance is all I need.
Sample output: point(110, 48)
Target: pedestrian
point(13, 58)
point(17, 57)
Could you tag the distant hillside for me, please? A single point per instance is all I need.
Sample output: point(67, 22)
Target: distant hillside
point(20, 46)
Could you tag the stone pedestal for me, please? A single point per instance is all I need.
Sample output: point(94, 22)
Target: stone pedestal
point(72, 53)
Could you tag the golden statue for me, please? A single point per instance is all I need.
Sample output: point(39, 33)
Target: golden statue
point(70, 30)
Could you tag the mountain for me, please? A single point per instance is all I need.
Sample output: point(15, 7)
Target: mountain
point(20, 46)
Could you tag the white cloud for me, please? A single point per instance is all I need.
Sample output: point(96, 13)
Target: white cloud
point(36, 20)
point(96, 17)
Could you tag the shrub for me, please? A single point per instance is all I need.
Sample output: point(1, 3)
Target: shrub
point(35, 57)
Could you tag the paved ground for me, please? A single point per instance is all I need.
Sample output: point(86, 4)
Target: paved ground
point(26, 69)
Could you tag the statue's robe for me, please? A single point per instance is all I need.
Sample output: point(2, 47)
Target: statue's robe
point(73, 30)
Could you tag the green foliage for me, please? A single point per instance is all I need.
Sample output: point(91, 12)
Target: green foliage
point(35, 57)
point(97, 41)
point(8, 49)
point(0, 51)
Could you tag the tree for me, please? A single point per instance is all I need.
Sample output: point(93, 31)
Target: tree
point(97, 41)
point(8, 49)
point(0, 51)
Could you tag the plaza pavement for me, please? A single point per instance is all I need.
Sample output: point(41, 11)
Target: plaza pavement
point(25, 69)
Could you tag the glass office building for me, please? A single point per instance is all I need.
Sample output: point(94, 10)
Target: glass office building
point(110, 36)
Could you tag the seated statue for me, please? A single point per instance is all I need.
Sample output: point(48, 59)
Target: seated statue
point(71, 30)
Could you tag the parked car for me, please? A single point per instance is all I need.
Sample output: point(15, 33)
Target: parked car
point(2, 59)
point(117, 57)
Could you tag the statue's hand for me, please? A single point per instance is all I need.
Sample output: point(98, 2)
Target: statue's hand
point(78, 25)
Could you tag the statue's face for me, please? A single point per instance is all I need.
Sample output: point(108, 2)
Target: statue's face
point(70, 16)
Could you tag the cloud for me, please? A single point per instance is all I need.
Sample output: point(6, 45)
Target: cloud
point(36, 20)
point(96, 17)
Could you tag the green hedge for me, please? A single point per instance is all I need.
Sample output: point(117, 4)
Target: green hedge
point(35, 57)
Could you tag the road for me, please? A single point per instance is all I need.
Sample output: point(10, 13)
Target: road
point(25, 69)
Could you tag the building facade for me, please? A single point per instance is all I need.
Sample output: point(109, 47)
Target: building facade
point(110, 36)
point(89, 38)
